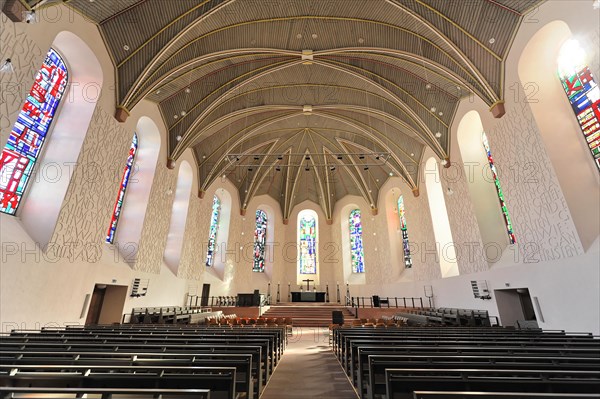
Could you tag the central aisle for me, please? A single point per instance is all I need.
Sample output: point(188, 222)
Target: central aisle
point(308, 369)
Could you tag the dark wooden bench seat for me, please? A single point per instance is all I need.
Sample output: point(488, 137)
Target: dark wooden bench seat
point(502, 395)
point(219, 380)
point(372, 379)
point(259, 363)
point(401, 383)
point(113, 393)
point(245, 381)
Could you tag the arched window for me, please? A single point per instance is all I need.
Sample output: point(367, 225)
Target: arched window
point(307, 242)
point(356, 242)
point(27, 138)
point(214, 229)
point(507, 222)
point(112, 229)
point(583, 93)
point(404, 230)
point(439, 218)
point(260, 241)
point(179, 212)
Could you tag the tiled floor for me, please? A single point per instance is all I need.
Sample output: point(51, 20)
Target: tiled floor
point(308, 369)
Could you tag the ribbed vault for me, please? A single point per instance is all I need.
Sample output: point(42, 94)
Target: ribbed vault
point(290, 86)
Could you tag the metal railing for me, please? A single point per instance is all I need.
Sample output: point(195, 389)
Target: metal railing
point(384, 302)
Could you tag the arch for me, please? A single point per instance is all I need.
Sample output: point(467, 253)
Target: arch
point(481, 182)
point(179, 213)
point(308, 238)
point(138, 193)
point(439, 218)
point(41, 208)
point(565, 144)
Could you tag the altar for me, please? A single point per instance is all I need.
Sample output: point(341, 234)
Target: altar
point(308, 296)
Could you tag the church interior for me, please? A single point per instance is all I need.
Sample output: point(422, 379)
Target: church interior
point(305, 177)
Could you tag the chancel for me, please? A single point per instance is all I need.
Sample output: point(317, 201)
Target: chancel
point(167, 164)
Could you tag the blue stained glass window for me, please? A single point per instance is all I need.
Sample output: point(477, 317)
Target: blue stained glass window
point(308, 245)
point(356, 242)
point(112, 230)
point(404, 230)
point(214, 229)
point(260, 241)
point(507, 222)
point(583, 93)
point(27, 137)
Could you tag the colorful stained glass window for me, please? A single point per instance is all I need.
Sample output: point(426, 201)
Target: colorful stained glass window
point(27, 137)
point(583, 93)
point(509, 227)
point(404, 230)
point(214, 229)
point(260, 241)
point(112, 230)
point(308, 245)
point(356, 242)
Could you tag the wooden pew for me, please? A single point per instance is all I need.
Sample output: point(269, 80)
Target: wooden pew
point(401, 383)
point(113, 393)
point(501, 395)
point(258, 362)
point(241, 362)
point(374, 375)
point(219, 380)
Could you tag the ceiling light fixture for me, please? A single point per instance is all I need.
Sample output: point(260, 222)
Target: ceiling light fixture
point(438, 135)
point(7, 66)
point(30, 17)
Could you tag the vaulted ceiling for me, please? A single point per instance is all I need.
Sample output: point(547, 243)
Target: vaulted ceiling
point(307, 99)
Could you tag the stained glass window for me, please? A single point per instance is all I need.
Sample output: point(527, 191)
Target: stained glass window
point(214, 228)
point(509, 227)
point(404, 230)
point(583, 93)
point(27, 137)
point(260, 241)
point(308, 245)
point(356, 242)
point(112, 230)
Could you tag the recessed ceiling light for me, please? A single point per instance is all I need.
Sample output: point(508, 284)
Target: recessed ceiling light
point(433, 109)
point(438, 135)
point(175, 116)
point(412, 154)
point(428, 86)
point(157, 91)
point(183, 113)
point(492, 40)
point(178, 138)
point(361, 40)
point(126, 47)
point(253, 42)
point(377, 180)
point(441, 114)
point(188, 90)
point(391, 173)
point(203, 156)
point(314, 36)
point(299, 36)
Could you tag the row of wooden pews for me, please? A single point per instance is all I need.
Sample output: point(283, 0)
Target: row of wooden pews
point(171, 315)
point(405, 362)
point(217, 362)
